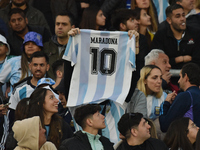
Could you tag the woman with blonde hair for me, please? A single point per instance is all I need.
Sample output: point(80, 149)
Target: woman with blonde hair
point(150, 83)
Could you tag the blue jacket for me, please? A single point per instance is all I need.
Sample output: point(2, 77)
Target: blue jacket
point(170, 112)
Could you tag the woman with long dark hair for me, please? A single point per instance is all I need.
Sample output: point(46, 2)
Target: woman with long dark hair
point(181, 134)
point(148, 7)
point(92, 18)
point(43, 103)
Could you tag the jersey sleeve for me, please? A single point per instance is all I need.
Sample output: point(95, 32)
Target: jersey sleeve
point(71, 50)
point(14, 99)
point(5, 72)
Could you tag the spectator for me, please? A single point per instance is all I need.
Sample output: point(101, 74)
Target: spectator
point(51, 8)
point(150, 83)
point(181, 134)
point(35, 17)
point(38, 67)
point(92, 18)
point(64, 111)
point(179, 42)
point(91, 121)
point(55, 47)
point(58, 71)
point(159, 58)
point(43, 103)
point(148, 6)
point(186, 103)
point(16, 68)
point(27, 139)
point(137, 135)
point(144, 22)
point(19, 28)
point(190, 13)
point(126, 20)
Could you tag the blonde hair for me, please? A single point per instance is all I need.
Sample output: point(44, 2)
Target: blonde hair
point(150, 11)
point(144, 73)
point(197, 4)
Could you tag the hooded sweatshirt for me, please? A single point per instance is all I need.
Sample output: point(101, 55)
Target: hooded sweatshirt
point(26, 132)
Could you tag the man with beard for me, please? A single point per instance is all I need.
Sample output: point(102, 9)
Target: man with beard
point(39, 65)
point(19, 26)
point(35, 17)
point(180, 42)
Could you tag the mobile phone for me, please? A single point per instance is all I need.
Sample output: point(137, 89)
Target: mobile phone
point(7, 104)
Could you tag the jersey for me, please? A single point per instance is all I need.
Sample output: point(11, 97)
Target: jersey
point(153, 105)
point(23, 90)
point(161, 6)
point(103, 63)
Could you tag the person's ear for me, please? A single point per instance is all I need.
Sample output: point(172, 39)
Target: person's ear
point(48, 67)
point(134, 132)
point(89, 122)
point(122, 27)
point(169, 20)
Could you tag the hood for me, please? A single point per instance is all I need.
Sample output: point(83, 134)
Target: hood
point(26, 132)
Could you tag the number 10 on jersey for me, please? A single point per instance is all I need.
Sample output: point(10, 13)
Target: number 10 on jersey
point(103, 61)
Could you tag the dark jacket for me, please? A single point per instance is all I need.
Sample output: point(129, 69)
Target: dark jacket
point(35, 17)
point(149, 144)
point(189, 45)
point(16, 42)
point(80, 142)
point(181, 104)
point(51, 50)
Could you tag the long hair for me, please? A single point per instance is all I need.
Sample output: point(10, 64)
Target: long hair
point(176, 136)
point(37, 99)
point(144, 73)
point(198, 141)
point(24, 66)
point(22, 108)
point(150, 11)
point(89, 18)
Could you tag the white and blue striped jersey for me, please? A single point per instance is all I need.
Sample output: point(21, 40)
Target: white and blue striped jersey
point(11, 70)
point(153, 105)
point(23, 90)
point(103, 63)
point(161, 6)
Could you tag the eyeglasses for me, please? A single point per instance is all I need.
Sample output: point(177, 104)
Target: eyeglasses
point(193, 126)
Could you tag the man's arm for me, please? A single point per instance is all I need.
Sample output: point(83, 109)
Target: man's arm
point(169, 113)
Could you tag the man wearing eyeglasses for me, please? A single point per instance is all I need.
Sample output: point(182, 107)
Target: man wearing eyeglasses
point(136, 131)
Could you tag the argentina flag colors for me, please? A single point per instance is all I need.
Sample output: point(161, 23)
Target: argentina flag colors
point(103, 63)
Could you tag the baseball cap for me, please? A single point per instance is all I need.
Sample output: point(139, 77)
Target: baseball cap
point(4, 41)
point(45, 81)
point(33, 37)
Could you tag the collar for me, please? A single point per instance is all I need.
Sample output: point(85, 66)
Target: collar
point(55, 41)
point(193, 88)
point(92, 136)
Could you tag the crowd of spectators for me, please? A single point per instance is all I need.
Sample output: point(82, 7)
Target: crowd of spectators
point(50, 99)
